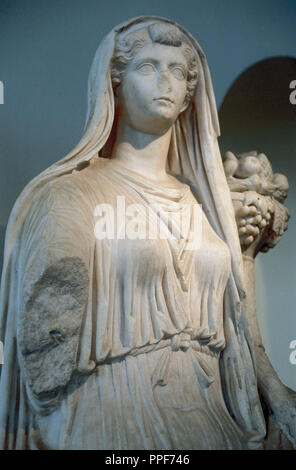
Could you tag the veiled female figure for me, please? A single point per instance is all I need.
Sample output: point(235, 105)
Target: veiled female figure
point(130, 342)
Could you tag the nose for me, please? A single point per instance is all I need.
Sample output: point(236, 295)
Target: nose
point(164, 81)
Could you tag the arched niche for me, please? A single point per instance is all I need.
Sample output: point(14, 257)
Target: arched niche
point(257, 114)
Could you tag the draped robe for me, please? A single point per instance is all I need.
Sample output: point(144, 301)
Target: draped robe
point(146, 374)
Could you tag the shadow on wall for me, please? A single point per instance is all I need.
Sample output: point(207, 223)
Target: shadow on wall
point(257, 114)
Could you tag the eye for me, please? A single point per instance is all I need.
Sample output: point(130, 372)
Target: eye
point(179, 73)
point(146, 68)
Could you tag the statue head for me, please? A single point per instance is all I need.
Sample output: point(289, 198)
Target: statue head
point(154, 75)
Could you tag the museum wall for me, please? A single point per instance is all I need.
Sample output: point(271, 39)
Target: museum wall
point(256, 114)
point(46, 49)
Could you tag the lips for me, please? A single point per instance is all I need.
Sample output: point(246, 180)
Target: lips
point(164, 98)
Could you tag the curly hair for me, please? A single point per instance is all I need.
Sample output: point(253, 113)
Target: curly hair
point(161, 33)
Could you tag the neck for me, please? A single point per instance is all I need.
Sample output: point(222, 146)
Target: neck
point(143, 153)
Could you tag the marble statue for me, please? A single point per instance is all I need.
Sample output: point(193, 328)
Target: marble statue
point(122, 327)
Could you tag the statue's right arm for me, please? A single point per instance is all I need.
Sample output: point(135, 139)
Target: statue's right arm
point(55, 248)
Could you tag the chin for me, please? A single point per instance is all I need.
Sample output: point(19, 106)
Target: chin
point(161, 123)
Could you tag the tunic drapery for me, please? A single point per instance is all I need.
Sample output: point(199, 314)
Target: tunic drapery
point(153, 327)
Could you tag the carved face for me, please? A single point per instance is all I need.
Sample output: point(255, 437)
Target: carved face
point(153, 87)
